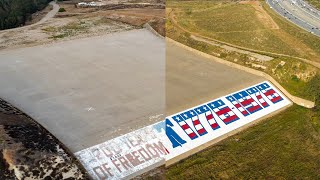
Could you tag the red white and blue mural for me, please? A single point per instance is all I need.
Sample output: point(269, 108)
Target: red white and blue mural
point(181, 132)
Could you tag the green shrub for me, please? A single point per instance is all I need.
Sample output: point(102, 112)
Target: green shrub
point(62, 10)
point(314, 89)
point(295, 78)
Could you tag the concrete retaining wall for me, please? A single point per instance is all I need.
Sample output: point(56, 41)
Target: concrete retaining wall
point(182, 134)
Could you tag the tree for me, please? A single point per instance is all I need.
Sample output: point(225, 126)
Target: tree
point(14, 13)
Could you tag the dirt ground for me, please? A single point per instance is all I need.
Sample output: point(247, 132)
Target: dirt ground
point(155, 16)
point(60, 29)
point(27, 150)
point(77, 23)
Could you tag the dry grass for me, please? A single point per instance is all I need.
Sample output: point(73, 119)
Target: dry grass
point(247, 25)
point(285, 146)
point(315, 3)
point(216, 19)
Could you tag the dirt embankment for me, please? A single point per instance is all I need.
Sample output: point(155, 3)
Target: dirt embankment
point(77, 23)
point(27, 150)
point(135, 13)
point(37, 16)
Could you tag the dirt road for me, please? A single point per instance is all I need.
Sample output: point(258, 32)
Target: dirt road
point(51, 14)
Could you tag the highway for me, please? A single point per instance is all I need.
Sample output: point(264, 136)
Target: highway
point(299, 13)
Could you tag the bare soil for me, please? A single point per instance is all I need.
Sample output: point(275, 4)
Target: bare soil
point(77, 23)
point(59, 29)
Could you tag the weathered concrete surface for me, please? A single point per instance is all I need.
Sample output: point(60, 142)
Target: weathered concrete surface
point(192, 79)
point(89, 90)
point(297, 100)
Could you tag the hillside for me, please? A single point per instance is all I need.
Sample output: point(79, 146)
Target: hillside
point(15, 13)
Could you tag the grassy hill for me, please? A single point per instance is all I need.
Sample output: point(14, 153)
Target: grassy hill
point(285, 146)
point(251, 25)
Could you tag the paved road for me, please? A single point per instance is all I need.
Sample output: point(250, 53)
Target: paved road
point(299, 13)
point(192, 79)
point(87, 91)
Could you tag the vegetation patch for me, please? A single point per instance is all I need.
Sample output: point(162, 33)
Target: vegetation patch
point(62, 10)
point(315, 3)
point(69, 30)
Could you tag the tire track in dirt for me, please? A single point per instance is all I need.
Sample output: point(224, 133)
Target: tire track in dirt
point(262, 15)
point(171, 17)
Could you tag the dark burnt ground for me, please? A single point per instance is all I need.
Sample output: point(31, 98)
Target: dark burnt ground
point(27, 150)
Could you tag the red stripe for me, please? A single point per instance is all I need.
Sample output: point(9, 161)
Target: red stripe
point(214, 125)
point(196, 122)
point(185, 126)
point(201, 131)
point(210, 116)
point(276, 99)
point(223, 111)
point(244, 112)
point(247, 102)
point(259, 96)
point(264, 104)
point(237, 105)
point(269, 92)
point(230, 118)
point(192, 135)
point(254, 108)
